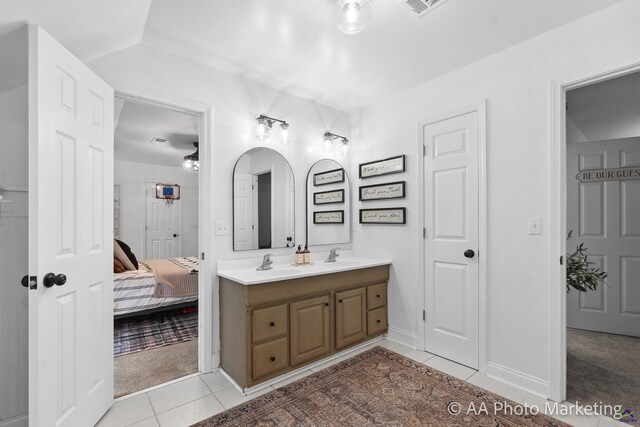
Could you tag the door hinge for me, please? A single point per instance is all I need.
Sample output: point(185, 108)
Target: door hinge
point(253, 227)
point(202, 256)
point(424, 233)
point(252, 186)
point(424, 150)
point(561, 259)
point(424, 315)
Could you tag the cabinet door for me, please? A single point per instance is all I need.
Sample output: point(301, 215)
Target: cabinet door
point(351, 324)
point(310, 329)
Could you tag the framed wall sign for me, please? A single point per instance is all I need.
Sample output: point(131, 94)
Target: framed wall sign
point(328, 177)
point(328, 217)
point(328, 197)
point(383, 167)
point(390, 190)
point(383, 216)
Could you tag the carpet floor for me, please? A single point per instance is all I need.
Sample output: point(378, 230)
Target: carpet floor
point(145, 332)
point(603, 368)
point(137, 371)
point(377, 387)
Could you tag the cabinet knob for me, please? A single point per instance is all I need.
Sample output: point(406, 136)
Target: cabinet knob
point(378, 296)
point(378, 320)
point(273, 359)
point(339, 300)
point(272, 323)
point(326, 304)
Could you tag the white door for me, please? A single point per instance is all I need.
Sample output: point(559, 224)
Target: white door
point(243, 227)
point(451, 243)
point(162, 231)
point(70, 233)
point(605, 216)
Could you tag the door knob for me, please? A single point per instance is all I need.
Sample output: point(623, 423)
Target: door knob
point(25, 281)
point(175, 235)
point(51, 279)
point(30, 282)
point(469, 253)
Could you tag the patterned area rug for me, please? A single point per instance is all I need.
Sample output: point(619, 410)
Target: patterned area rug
point(377, 387)
point(139, 333)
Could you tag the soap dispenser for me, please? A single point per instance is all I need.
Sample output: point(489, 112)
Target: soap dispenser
point(306, 255)
point(299, 257)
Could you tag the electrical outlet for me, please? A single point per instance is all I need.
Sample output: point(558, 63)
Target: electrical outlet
point(222, 228)
point(535, 225)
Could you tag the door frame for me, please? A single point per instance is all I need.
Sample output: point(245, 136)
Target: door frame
point(558, 214)
point(206, 238)
point(481, 109)
point(146, 218)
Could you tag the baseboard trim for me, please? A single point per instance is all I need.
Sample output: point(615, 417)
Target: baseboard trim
point(527, 382)
point(410, 339)
point(19, 421)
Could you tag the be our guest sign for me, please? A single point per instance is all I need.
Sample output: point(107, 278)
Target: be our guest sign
point(616, 174)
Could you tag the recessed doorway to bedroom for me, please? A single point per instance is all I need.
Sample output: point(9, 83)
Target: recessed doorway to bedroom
point(156, 209)
point(603, 260)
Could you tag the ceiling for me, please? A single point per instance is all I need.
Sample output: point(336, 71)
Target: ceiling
point(294, 45)
point(137, 124)
point(606, 110)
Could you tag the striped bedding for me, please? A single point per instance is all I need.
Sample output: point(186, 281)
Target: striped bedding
point(133, 291)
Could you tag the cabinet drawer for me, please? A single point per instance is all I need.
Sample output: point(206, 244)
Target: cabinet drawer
point(270, 357)
point(377, 321)
point(376, 296)
point(269, 323)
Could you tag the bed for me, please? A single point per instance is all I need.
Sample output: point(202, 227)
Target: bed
point(157, 285)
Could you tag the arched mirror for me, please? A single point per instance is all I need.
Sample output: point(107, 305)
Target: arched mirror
point(328, 204)
point(263, 201)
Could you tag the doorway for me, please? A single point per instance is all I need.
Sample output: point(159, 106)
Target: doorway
point(156, 222)
point(264, 210)
point(453, 211)
point(603, 219)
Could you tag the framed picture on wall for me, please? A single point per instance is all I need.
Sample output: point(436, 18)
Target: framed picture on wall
point(328, 177)
point(328, 217)
point(328, 197)
point(389, 190)
point(383, 216)
point(383, 167)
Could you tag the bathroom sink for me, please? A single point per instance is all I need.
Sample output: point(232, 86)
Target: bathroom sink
point(340, 264)
point(276, 272)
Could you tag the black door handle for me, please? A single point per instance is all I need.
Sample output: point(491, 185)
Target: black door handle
point(25, 281)
point(175, 235)
point(51, 279)
point(469, 253)
point(30, 282)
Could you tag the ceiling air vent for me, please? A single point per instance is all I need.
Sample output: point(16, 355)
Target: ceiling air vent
point(157, 140)
point(419, 8)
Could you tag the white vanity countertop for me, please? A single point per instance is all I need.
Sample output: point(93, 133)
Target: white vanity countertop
point(238, 271)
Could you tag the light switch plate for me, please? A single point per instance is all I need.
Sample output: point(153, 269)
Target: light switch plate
point(222, 228)
point(535, 225)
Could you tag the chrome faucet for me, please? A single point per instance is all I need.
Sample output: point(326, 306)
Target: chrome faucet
point(266, 263)
point(333, 254)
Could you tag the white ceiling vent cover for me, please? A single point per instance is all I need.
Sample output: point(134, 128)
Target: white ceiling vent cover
point(419, 8)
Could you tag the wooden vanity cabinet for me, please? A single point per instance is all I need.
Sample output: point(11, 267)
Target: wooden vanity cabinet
point(271, 328)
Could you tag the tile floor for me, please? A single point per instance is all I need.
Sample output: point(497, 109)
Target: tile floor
point(194, 399)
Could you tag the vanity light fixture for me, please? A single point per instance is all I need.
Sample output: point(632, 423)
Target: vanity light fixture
point(331, 139)
point(352, 15)
point(265, 126)
point(192, 161)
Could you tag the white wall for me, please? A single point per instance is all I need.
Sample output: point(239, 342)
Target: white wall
point(132, 178)
point(236, 102)
point(516, 84)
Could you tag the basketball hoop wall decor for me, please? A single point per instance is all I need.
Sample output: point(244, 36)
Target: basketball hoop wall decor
point(168, 192)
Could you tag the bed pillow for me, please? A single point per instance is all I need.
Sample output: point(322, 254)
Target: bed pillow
point(122, 257)
point(118, 266)
point(127, 250)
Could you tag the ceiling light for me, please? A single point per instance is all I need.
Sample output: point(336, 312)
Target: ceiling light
point(265, 126)
point(192, 161)
point(352, 15)
point(330, 140)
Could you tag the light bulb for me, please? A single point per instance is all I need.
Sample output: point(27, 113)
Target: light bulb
point(263, 131)
point(345, 146)
point(284, 133)
point(187, 164)
point(352, 15)
point(352, 12)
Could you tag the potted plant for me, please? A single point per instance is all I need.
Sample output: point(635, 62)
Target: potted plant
point(581, 274)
